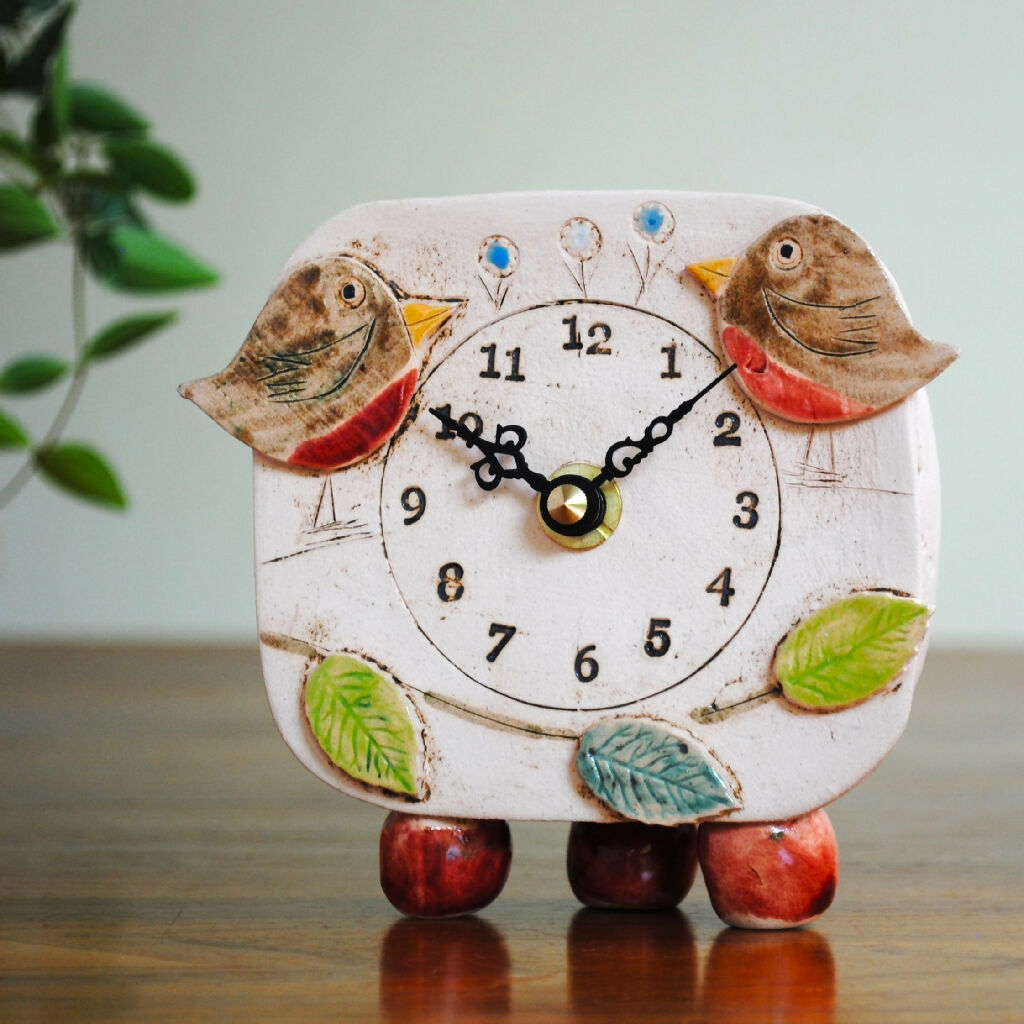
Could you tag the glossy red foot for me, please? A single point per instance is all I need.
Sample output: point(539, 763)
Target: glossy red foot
point(443, 867)
point(770, 874)
point(631, 866)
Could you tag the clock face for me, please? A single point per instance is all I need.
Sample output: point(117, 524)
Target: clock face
point(552, 625)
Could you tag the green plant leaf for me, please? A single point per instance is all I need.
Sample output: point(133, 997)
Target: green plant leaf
point(136, 260)
point(98, 201)
point(81, 471)
point(12, 11)
point(849, 650)
point(11, 433)
point(31, 373)
point(29, 71)
point(23, 218)
point(152, 167)
point(12, 146)
point(94, 108)
point(363, 723)
point(123, 334)
point(650, 774)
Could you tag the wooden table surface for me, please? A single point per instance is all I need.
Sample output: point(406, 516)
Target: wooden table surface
point(164, 858)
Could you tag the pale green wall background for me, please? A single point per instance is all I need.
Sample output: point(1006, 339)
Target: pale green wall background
point(903, 119)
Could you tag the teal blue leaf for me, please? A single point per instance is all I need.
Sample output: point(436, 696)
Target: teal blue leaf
point(26, 374)
point(23, 218)
point(849, 650)
point(12, 435)
point(647, 773)
point(94, 108)
point(81, 471)
point(125, 333)
point(363, 723)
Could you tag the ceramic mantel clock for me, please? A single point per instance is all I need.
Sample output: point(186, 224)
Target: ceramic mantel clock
point(615, 508)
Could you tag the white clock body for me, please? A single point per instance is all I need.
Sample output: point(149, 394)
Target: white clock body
point(509, 645)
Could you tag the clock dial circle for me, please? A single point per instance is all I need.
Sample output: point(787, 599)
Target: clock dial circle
point(598, 627)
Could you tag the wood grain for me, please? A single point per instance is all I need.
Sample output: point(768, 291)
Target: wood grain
point(164, 858)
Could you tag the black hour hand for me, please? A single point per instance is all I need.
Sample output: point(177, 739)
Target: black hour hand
point(503, 457)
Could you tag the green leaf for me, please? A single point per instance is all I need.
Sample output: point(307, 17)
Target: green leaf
point(23, 218)
point(849, 650)
point(59, 104)
point(82, 471)
point(98, 201)
point(29, 71)
point(152, 167)
point(12, 146)
point(12, 11)
point(363, 723)
point(94, 108)
point(31, 373)
point(123, 334)
point(11, 433)
point(645, 772)
point(136, 260)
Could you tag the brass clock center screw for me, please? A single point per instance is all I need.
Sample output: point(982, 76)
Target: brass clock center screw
point(576, 513)
point(566, 504)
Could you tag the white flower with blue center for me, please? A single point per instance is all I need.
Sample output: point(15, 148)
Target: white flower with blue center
point(653, 222)
point(498, 256)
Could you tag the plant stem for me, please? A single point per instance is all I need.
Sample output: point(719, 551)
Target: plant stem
point(28, 468)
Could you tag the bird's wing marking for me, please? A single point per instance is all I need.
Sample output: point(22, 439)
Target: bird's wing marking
point(307, 375)
point(826, 330)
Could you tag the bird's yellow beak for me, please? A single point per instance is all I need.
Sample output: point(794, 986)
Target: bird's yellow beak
point(424, 318)
point(712, 273)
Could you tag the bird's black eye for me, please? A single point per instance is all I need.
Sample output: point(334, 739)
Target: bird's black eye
point(786, 253)
point(351, 292)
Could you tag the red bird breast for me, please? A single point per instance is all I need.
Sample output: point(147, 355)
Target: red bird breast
point(362, 433)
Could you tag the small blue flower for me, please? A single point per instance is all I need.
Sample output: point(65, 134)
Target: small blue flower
point(498, 256)
point(653, 221)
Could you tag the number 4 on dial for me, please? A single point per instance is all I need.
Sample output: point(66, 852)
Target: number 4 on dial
point(722, 585)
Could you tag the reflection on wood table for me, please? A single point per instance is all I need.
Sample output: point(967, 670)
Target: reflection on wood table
point(163, 858)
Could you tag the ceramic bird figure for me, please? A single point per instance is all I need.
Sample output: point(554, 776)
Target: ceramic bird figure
point(328, 369)
point(813, 323)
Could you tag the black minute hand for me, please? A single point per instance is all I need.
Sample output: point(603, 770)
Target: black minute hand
point(503, 457)
point(617, 464)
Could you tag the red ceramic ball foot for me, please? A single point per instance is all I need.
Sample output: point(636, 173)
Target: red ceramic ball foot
point(631, 866)
point(443, 867)
point(770, 874)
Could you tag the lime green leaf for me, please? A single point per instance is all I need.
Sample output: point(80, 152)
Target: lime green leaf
point(23, 218)
point(11, 433)
point(136, 260)
point(152, 167)
point(123, 334)
point(31, 373)
point(28, 72)
point(95, 109)
point(83, 472)
point(645, 772)
point(363, 723)
point(849, 650)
